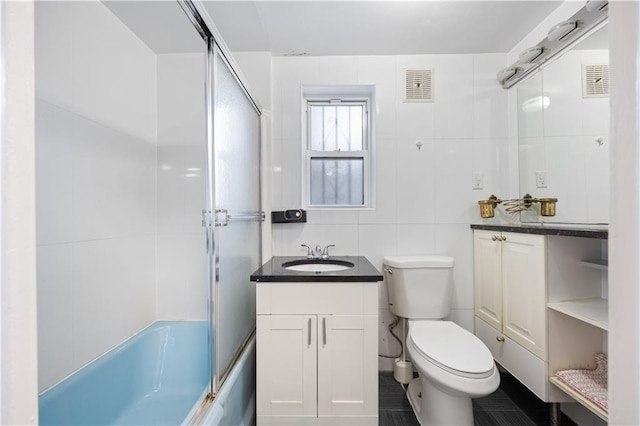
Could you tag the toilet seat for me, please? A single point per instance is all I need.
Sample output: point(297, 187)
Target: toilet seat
point(452, 348)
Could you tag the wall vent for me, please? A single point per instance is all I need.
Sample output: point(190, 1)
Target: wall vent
point(418, 85)
point(595, 81)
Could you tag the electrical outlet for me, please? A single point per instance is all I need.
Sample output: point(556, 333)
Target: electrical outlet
point(541, 179)
point(478, 180)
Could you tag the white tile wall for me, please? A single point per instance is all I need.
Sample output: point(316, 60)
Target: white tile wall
point(489, 105)
point(55, 312)
point(381, 71)
point(113, 288)
point(453, 96)
point(181, 172)
point(180, 82)
point(93, 205)
point(417, 180)
point(112, 82)
point(113, 183)
point(424, 198)
point(95, 185)
point(182, 279)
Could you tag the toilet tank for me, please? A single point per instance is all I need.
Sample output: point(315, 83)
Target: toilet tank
point(419, 287)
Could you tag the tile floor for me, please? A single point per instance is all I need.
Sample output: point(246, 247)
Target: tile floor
point(511, 405)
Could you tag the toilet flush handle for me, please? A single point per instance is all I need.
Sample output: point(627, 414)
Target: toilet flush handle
point(500, 339)
point(388, 270)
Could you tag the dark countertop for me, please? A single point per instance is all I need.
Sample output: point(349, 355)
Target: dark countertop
point(272, 271)
point(548, 229)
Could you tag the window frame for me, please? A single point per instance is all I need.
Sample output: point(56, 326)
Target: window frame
point(366, 153)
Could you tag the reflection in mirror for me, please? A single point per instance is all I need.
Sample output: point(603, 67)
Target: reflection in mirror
point(563, 134)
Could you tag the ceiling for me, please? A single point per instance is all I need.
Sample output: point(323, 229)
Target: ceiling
point(306, 27)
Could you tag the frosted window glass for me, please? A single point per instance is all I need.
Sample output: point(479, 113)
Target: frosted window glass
point(336, 127)
point(237, 190)
point(337, 181)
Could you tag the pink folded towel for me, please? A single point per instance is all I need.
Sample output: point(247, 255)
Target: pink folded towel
point(592, 384)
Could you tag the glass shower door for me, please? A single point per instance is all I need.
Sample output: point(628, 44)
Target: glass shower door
point(238, 216)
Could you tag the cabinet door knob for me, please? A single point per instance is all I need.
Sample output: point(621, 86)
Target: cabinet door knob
point(504, 238)
point(494, 238)
point(500, 339)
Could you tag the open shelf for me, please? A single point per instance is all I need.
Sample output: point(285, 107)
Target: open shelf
point(579, 398)
point(592, 311)
point(602, 264)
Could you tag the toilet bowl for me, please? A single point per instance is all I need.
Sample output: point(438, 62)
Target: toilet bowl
point(453, 366)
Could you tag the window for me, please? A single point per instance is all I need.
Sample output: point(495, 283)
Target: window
point(337, 149)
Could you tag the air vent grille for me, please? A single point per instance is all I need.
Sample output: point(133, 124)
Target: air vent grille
point(419, 85)
point(595, 81)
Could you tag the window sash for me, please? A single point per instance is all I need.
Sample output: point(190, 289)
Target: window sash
point(363, 103)
point(364, 153)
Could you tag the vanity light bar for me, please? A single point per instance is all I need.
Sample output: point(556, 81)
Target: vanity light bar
point(596, 4)
point(529, 55)
point(563, 29)
point(560, 38)
point(507, 74)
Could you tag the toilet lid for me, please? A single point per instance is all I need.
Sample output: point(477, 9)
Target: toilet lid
point(452, 348)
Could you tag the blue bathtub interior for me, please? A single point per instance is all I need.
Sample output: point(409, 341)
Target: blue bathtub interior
point(155, 377)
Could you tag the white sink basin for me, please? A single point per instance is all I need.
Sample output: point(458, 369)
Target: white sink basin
point(317, 265)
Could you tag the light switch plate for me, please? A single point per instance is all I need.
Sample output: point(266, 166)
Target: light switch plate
point(541, 179)
point(478, 180)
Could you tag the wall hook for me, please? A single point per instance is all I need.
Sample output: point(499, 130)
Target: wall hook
point(419, 145)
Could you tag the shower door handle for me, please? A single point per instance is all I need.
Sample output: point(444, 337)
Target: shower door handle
point(309, 341)
point(223, 217)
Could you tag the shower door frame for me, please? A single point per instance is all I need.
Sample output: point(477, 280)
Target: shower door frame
point(215, 50)
point(215, 46)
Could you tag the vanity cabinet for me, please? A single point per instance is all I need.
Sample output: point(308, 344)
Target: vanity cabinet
point(510, 287)
point(540, 304)
point(317, 353)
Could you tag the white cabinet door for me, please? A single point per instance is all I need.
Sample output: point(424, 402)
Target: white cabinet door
point(524, 291)
point(347, 365)
point(487, 264)
point(286, 368)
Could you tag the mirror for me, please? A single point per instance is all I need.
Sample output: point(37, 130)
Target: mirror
point(563, 134)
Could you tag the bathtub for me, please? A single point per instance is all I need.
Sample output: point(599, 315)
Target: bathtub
point(157, 377)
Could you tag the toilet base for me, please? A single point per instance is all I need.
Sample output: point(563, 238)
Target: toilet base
point(433, 407)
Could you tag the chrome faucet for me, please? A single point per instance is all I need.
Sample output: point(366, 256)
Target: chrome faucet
point(309, 251)
point(325, 252)
point(317, 252)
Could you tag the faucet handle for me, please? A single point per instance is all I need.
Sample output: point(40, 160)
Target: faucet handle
point(309, 251)
point(325, 251)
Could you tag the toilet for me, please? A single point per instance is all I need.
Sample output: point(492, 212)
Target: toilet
point(453, 365)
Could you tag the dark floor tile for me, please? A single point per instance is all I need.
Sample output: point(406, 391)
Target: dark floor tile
point(498, 400)
point(398, 418)
point(538, 411)
point(511, 405)
point(501, 418)
point(391, 394)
